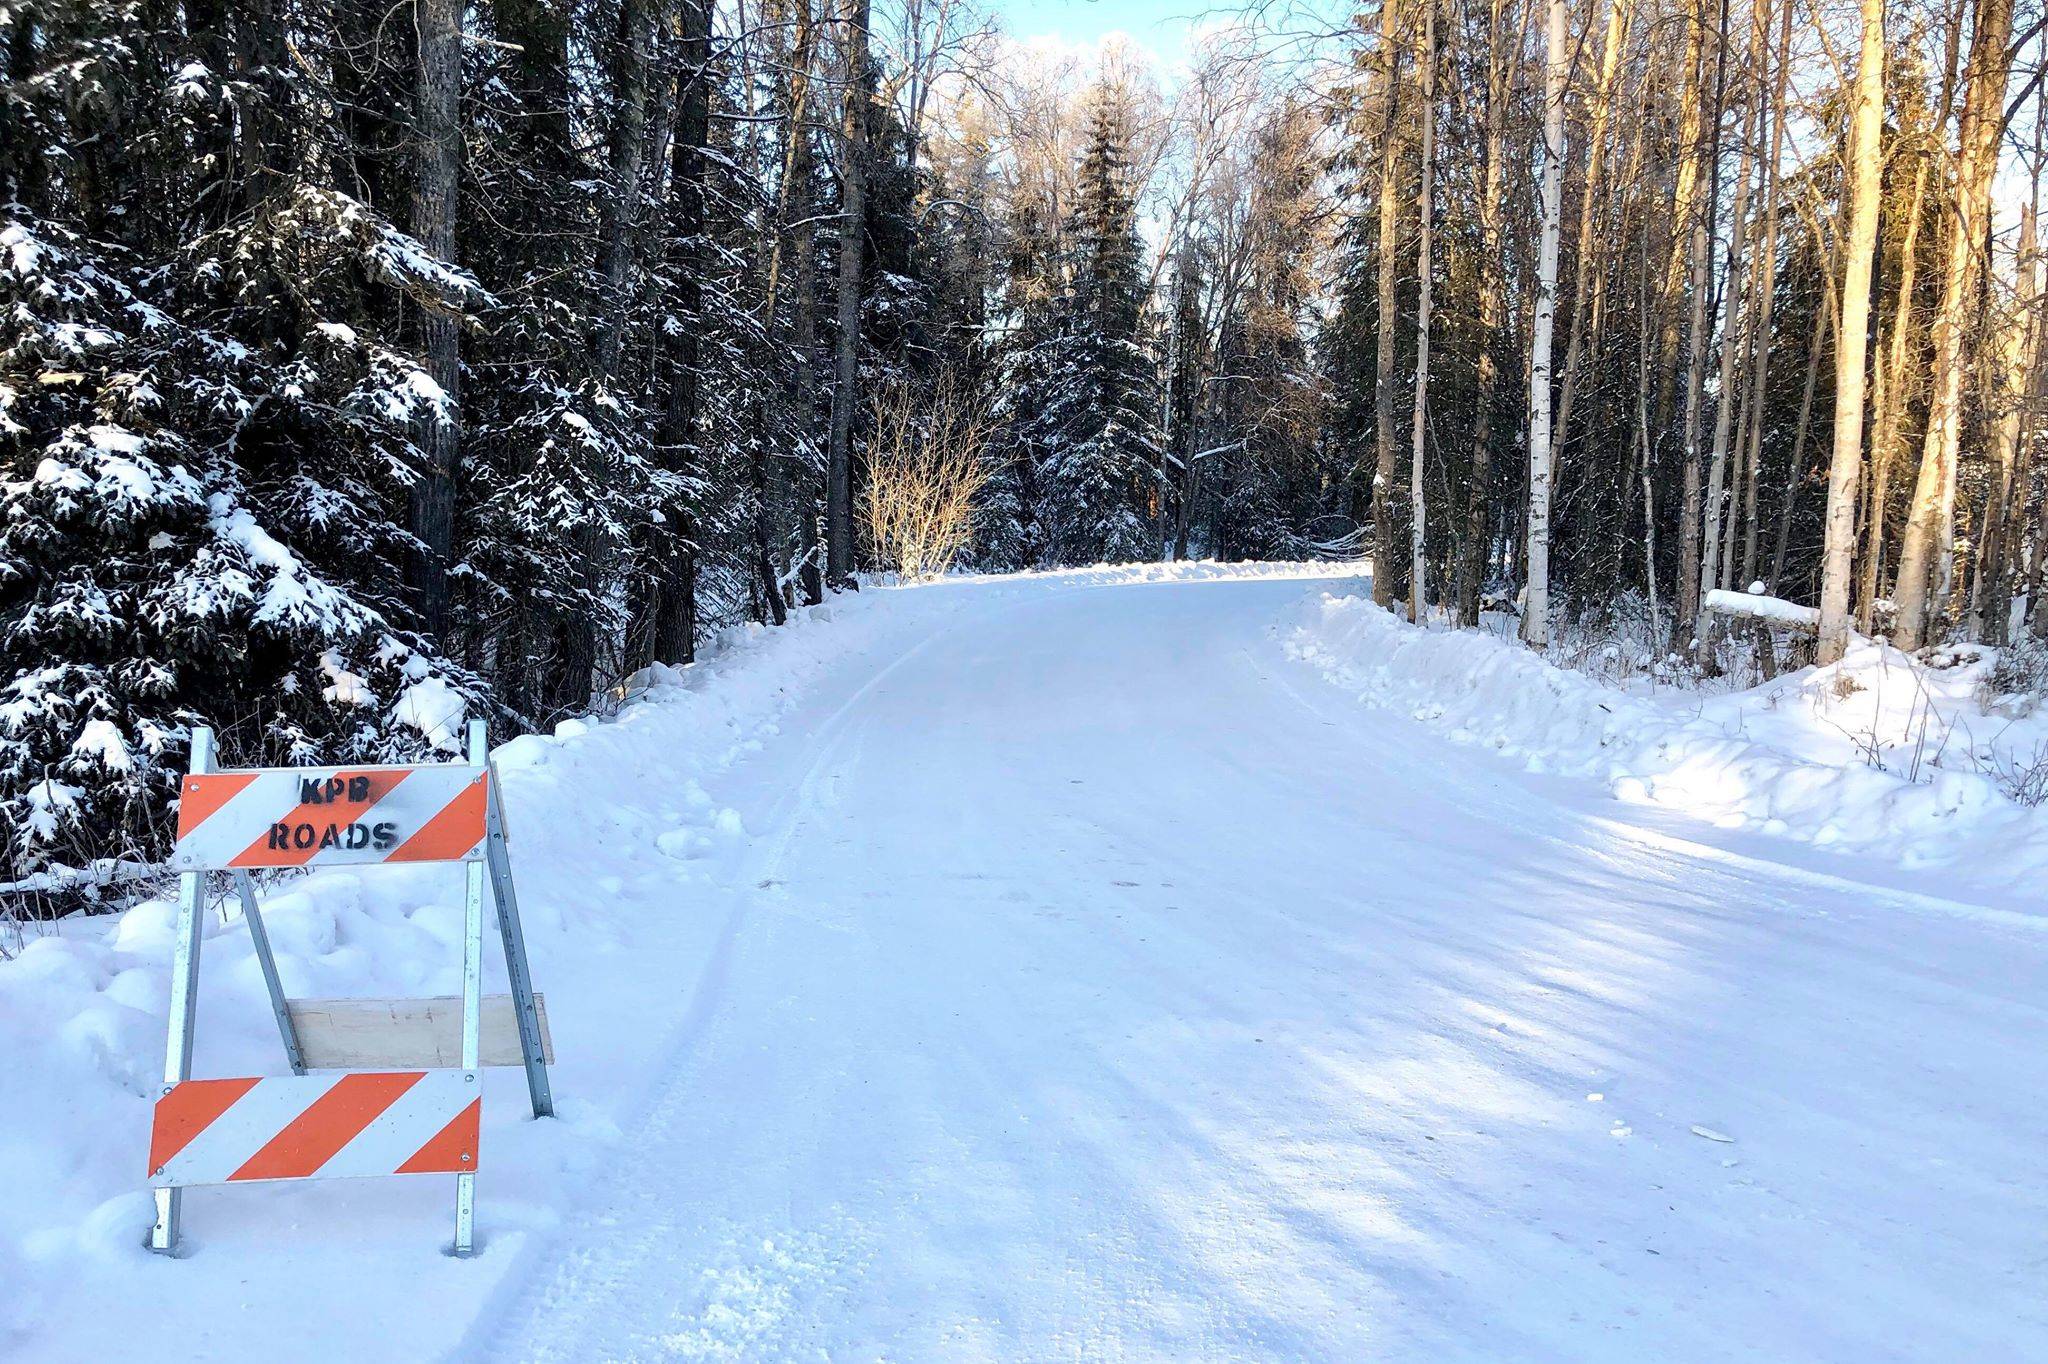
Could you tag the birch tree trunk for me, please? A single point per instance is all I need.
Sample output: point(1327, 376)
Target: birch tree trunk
point(1536, 613)
point(1933, 512)
point(1859, 248)
point(1708, 154)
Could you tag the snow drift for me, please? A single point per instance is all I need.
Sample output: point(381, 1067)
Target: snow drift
point(1816, 755)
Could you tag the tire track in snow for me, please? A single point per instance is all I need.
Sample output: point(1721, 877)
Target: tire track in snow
point(750, 1301)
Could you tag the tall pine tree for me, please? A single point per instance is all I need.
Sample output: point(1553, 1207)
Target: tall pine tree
point(1082, 404)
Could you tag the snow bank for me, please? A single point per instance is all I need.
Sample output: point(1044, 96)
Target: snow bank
point(1844, 757)
point(611, 827)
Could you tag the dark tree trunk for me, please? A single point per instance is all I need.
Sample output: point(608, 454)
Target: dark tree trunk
point(800, 171)
point(852, 245)
point(23, 168)
point(1476, 540)
point(576, 632)
point(664, 594)
point(804, 341)
point(621, 207)
point(260, 59)
point(1387, 570)
point(439, 432)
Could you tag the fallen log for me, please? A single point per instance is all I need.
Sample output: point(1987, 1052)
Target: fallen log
point(1757, 606)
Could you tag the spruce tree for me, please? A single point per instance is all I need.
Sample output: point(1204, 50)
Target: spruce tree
point(1082, 389)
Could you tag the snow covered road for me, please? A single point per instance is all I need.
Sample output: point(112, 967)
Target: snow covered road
point(1057, 968)
point(1097, 983)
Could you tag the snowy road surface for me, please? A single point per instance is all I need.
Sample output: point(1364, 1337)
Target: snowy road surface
point(1056, 969)
point(1098, 984)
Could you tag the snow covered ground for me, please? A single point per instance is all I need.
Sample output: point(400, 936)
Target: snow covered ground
point(1064, 968)
point(1876, 756)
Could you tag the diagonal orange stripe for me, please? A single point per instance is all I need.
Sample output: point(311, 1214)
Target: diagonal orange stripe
point(341, 812)
point(202, 796)
point(329, 1123)
point(451, 833)
point(189, 1109)
point(443, 1154)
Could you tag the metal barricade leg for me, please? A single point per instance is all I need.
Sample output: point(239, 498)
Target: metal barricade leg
point(472, 1004)
point(260, 936)
point(516, 969)
point(163, 1236)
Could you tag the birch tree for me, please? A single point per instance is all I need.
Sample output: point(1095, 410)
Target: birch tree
point(1923, 553)
point(1859, 247)
point(1536, 610)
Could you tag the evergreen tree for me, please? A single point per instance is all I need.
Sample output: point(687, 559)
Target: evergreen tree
point(1082, 388)
point(205, 428)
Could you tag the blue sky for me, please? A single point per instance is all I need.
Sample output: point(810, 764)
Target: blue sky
point(1159, 25)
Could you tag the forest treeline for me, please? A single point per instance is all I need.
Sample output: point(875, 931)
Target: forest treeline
point(367, 364)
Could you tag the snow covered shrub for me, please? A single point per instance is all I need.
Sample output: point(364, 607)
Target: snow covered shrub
point(2023, 777)
point(1621, 643)
point(2018, 680)
point(927, 464)
point(1613, 640)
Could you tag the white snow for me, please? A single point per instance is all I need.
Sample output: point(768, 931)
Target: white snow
point(1052, 967)
point(190, 83)
point(435, 709)
point(290, 594)
point(1755, 603)
point(24, 251)
point(52, 805)
point(101, 740)
point(114, 440)
point(345, 688)
point(1842, 757)
point(422, 386)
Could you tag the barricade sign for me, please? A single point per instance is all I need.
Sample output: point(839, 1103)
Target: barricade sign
point(416, 1106)
point(319, 817)
point(420, 1122)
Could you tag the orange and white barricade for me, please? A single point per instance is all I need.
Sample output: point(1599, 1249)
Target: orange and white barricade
point(409, 1099)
